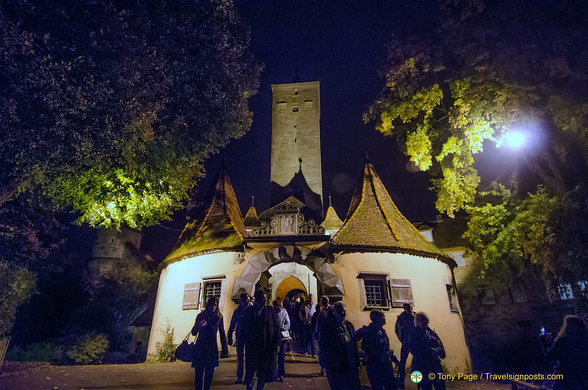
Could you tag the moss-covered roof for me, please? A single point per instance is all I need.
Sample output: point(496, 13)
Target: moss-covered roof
point(221, 228)
point(251, 218)
point(374, 223)
point(332, 220)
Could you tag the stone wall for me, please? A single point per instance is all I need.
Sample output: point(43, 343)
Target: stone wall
point(296, 134)
point(503, 317)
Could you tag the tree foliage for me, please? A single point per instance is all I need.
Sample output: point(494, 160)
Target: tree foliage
point(489, 68)
point(110, 108)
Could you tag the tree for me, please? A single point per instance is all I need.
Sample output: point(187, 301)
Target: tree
point(110, 108)
point(489, 68)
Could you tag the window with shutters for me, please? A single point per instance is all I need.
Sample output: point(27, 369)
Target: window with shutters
point(191, 296)
point(401, 292)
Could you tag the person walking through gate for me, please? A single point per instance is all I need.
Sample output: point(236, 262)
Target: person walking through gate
point(404, 326)
point(262, 338)
point(306, 312)
point(208, 323)
point(376, 345)
point(426, 348)
point(319, 320)
point(284, 322)
point(237, 324)
point(340, 351)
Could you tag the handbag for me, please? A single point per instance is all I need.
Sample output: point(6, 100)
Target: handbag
point(286, 335)
point(185, 351)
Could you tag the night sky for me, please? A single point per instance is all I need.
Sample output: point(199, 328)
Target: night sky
point(341, 44)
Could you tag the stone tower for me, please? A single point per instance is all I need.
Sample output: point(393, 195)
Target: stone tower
point(296, 136)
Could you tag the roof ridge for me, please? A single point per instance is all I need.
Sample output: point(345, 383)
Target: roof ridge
point(348, 219)
point(373, 177)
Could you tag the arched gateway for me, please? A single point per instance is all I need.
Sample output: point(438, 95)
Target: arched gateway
point(374, 259)
point(262, 261)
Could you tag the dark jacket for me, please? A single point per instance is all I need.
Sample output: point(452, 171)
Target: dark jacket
point(572, 357)
point(206, 347)
point(426, 348)
point(236, 322)
point(262, 330)
point(376, 345)
point(340, 348)
point(404, 326)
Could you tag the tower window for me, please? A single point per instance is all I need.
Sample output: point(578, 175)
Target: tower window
point(212, 289)
point(375, 292)
point(452, 296)
point(294, 109)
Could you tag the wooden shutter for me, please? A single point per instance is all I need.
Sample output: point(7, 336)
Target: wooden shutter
point(401, 292)
point(191, 296)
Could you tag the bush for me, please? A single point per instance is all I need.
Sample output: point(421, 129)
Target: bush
point(38, 352)
point(166, 350)
point(17, 284)
point(90, 349)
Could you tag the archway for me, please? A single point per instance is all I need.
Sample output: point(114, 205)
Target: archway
point(261, 261)
point(288, 285)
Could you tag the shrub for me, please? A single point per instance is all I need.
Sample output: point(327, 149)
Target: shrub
point(90, 349)
point(165, 350)
point(38, 352)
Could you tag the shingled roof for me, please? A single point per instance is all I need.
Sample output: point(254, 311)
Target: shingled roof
point(251, 218)
point(374, 223)
point(332, 220)
point(221, 228)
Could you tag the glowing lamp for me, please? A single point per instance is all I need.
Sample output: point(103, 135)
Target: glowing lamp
point(515, 139)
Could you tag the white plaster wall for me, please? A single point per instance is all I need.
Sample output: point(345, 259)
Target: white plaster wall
point(303, 273)
point(428, 278)
point(170, 293)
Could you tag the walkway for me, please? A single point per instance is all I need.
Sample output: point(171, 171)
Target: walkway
point(302, 373)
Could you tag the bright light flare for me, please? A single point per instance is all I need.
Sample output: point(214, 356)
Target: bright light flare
point(515, 139)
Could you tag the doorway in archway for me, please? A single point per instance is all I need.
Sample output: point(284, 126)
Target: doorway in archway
point(290, 287)
point(290, 279)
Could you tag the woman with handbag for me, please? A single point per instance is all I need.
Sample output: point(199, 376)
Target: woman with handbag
point(208, 324)
point(284, 321)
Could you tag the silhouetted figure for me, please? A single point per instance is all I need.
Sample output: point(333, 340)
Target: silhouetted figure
point(237, 324)
point(319, 321)
point(208, 323)
point(306, 312)
point(340, 351)
point(570, 349)
point(296, 322)
point(284, 322)
point(262, 338)
point(427, 350)
point(376, 345)
point(403, 328)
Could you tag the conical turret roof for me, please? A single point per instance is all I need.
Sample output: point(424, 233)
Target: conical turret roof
point(374, 223)
point(251, 218)
point(221, 228)
point(332, 220)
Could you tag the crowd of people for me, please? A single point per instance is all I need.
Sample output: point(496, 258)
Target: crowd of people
point(264, 334)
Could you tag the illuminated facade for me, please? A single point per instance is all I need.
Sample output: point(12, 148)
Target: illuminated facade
point(373, 259)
